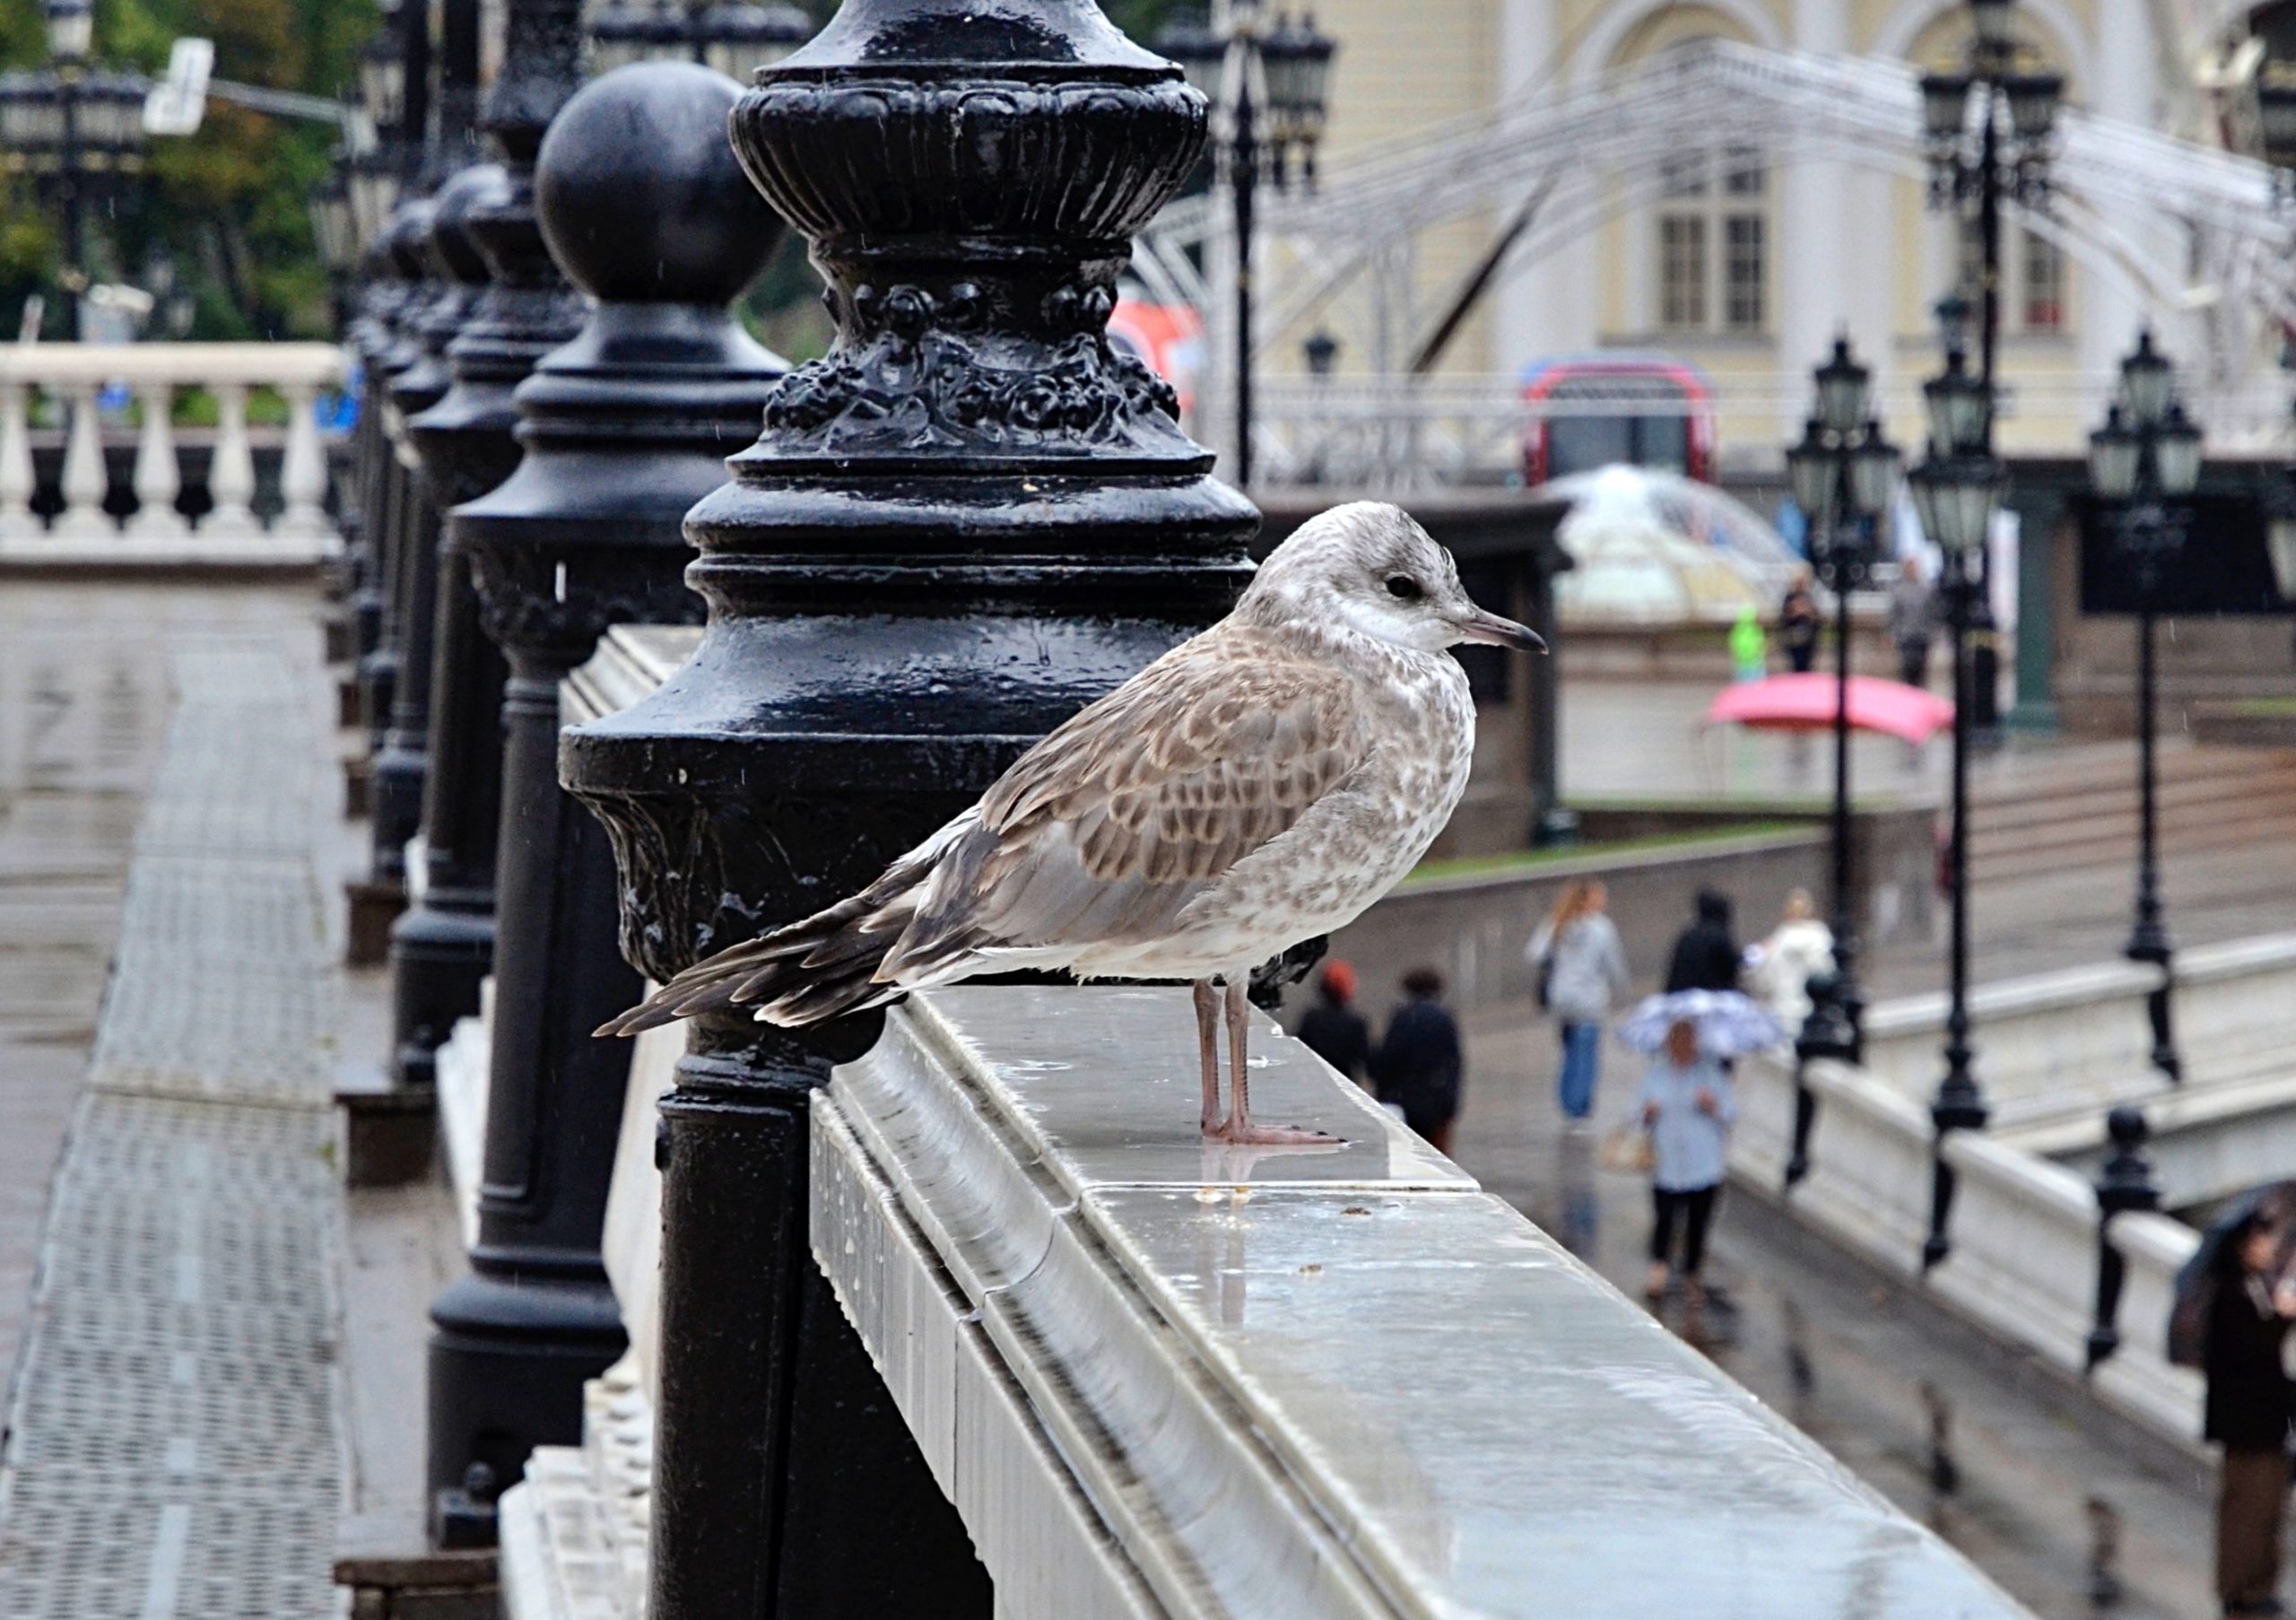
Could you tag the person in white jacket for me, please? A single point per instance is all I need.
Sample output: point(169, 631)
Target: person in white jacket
point(1778, 970)
point(1582, 972)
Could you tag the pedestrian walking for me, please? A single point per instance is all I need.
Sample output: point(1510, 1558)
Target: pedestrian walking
point(1332, 1029)
point(1687, 1108)
point(1749, 647)
point(1418, 1067)
point(1582, 973)
point(1705, 953)
point(1778, 970)
point(1913, 622)
point(1798, 623)
point(2247, 1413)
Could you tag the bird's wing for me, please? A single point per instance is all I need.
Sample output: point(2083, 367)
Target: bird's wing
point(1106, 830)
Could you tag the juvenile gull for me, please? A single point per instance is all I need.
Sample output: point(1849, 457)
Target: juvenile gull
point(1258, 785)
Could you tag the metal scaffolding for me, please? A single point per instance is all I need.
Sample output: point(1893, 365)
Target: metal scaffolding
point(2186, 228)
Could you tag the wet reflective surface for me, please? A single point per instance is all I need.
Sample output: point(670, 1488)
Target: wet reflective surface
point(1481, 1425)
point(1949, 1427)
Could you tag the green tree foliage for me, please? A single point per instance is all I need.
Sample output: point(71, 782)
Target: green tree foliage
point(224, 211)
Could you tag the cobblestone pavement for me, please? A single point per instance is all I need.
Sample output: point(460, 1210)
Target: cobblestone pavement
point(1947, 1425)
point(171, 1445)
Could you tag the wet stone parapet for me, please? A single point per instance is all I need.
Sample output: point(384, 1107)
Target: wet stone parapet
point(1157, 1375)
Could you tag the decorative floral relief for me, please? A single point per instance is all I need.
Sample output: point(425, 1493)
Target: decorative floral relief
point(922, 381)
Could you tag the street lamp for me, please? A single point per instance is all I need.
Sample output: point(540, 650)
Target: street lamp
point(70, 127)
point(1845, 475)
point(1988, 129)
point(1243, 65)
point(1955, 493)
point(2143, 465)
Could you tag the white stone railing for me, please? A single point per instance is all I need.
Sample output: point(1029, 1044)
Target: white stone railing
point(1159, 1377)
point(2023, 1261)
point(74, 375)
point(2057, 1050)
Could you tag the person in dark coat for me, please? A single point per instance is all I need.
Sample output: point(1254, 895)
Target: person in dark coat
point(1332, 1029)
point(2247, 1412)
point(1798, 623)
point(1418, 1067)
point(1706, 955)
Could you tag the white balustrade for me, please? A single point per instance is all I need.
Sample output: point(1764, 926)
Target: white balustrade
point(72, 376)
point(158, 479)
point(84, 484)
point(230, 475)
point(17, 522)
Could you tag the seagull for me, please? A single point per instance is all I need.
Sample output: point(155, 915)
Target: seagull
point(1261, 783)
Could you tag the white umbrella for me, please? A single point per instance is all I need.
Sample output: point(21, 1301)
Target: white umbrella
point(1728, 1024)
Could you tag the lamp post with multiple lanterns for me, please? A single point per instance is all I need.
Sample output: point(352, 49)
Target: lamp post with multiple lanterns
point(1954, 494)
point(2142, 466)
point(73, 128)
point(1988, 128)
point(1247, 67)
point(1845, 474)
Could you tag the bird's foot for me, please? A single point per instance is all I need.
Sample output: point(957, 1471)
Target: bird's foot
point(1243, 1133)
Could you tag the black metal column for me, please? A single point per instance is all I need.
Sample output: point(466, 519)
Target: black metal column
point(408, 242)
point(2148, 938)
point(625, 427)
point(396, 807)
point(2124, 1184)
point(968, 520)
point(1960, 1104)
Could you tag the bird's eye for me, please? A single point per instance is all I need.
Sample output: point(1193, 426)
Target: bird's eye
point(1403, 587)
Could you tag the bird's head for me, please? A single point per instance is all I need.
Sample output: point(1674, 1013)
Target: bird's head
point(1368, 566)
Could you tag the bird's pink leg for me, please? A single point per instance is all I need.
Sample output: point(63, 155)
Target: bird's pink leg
point(1238, 1128)
point(1207, 1041)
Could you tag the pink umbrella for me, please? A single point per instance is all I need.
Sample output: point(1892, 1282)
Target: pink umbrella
point(1806, 703)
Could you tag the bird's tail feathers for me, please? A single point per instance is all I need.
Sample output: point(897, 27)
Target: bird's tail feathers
point(812, 968)
point(837, 961)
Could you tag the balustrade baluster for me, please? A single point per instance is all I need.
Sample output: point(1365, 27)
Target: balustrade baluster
point(85, 483)
point(231, 477)
point(158, 478)
point(17, 522)
point(302, 470)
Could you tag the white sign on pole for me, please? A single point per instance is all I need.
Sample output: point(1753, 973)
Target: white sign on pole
point(176, 104)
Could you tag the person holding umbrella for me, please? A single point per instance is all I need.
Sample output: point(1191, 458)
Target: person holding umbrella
point(1687, 1108)
point(2248, 1408)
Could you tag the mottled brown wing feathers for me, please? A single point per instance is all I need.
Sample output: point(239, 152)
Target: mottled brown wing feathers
point(1114, 822)
point(1103, 832)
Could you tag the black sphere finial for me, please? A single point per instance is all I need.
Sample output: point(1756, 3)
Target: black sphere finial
point(640, 194)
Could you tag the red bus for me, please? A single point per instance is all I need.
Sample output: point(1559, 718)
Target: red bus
point(1595, 410)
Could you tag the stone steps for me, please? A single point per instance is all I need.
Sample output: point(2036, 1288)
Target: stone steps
point(2085, 814)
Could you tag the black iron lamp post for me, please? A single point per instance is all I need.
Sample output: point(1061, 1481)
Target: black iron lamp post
point(1845, 474)
point(1247, 68)
point(1988, 129)
point(1955, 492)
point(733, 36)
point(624, 428)
point(972, 517)
point(2142, 466)
point(73, 128)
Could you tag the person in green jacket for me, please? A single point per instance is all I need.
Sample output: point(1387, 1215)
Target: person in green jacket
point(1748, 648)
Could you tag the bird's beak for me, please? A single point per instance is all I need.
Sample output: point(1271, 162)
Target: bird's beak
point(1490, 629)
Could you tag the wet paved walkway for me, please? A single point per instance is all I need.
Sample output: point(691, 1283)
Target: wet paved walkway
point(1947, 1425)
point(172, 1447)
